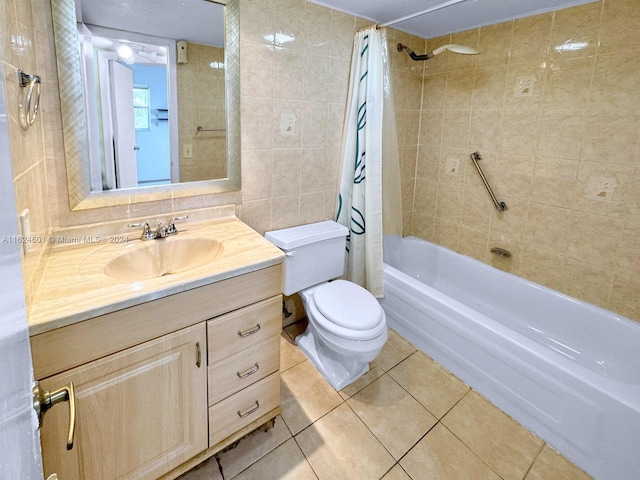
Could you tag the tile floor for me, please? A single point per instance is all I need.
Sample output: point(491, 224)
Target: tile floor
point(407, 418)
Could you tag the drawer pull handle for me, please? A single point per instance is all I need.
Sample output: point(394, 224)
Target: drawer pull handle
point(198, 355)
point(251, 371)
point(250, 411)
point(251, 331)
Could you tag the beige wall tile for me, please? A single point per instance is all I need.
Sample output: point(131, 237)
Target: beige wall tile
point(575, 31)
point(530, 39)
point(619, 26)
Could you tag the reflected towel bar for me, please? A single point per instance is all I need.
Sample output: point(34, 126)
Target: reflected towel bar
point(501, 206)
point(202, 129)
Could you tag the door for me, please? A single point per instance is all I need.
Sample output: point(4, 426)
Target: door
point(19, 440)
point(124, 127)
point(139, 413)
point(20, 456)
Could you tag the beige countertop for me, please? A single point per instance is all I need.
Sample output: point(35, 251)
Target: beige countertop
point(74, 286)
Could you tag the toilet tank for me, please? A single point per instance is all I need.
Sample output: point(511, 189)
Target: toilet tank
point(314, 253)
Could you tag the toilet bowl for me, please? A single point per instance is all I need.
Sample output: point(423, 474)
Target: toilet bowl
point(339, 341)
point(347, 326)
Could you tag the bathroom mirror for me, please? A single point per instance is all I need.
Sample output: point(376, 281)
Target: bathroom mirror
point(82, 117)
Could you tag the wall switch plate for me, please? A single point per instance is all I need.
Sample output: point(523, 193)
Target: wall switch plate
point(187, 151)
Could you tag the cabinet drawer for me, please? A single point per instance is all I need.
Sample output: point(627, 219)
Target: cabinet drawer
point(243, 369)
point(239, 410)
point(242, 329)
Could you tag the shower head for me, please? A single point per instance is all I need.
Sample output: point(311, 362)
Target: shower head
point(461, 49)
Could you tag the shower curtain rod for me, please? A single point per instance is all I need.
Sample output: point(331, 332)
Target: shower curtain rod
point(446, 4)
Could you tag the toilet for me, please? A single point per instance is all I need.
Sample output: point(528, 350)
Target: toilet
point(347, 327)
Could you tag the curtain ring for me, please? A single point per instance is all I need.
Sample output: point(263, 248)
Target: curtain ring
point(32, 105)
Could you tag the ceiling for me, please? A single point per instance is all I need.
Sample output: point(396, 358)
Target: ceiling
point(194, 20)
point(433, 18)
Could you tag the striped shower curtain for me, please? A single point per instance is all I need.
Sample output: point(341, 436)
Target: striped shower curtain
point(369, 137)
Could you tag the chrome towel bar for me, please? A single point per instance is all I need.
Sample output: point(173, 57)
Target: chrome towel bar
point(29, 109)
point(501, 206)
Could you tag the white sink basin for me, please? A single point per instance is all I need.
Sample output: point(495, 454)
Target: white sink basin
point(156, 258)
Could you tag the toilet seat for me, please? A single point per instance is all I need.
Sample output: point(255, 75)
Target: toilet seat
point(346, 310)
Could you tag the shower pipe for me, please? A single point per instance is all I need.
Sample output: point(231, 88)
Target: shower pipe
point(460, 49)
point(501, 206)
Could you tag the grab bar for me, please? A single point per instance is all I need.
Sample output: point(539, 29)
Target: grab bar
point(501, 206)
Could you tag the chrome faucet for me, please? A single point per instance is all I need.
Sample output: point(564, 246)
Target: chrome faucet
point(171, 228)
point(147, 233)
point(161, 231)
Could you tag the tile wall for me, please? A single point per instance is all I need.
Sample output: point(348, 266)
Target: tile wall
point(562, 154)
point(28, 146)
point(295, 71)
point(201, 97)
point(553, 105)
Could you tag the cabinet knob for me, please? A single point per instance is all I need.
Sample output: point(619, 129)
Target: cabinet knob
point(43, 401)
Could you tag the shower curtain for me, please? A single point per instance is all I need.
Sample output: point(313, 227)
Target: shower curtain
point(369, 201)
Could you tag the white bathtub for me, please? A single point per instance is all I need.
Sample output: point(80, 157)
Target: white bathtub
point(567, 370)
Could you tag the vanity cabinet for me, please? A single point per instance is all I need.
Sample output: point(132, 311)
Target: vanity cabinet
point(163, 385)
point(139, 413)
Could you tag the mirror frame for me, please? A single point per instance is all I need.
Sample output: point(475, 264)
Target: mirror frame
point(74, 121)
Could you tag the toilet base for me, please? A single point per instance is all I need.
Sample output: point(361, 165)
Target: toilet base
point(339, 370)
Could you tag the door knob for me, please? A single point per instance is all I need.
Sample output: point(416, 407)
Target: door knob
point(43, 401)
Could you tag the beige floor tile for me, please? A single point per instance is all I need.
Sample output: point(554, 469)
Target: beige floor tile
point(442, 456)
point(340, 446)
point(394, 351)
point(394, 416)
point(290, 354)
point(432, 385)
point(207, 470)
point(550, 465)
point(253, 448)
point(499, 440)
point(305, 396)
point(284, 463)
point(396, 473)
point(373, 373)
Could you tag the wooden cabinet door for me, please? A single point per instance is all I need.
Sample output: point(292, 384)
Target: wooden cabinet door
point(139, 412)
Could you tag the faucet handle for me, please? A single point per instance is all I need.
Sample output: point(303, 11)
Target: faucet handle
point(171, 228)
point(147, 233)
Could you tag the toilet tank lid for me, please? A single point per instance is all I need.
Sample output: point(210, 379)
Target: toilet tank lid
point(289, 238)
